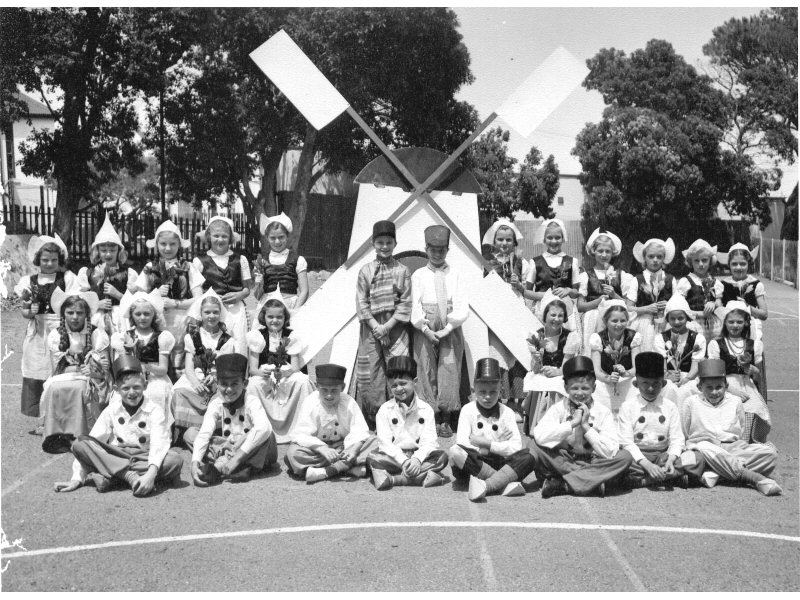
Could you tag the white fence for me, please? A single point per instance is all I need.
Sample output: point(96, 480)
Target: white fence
point(777, 260)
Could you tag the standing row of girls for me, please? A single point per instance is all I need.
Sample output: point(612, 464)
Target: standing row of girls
point(617, 316)
point(175, 317)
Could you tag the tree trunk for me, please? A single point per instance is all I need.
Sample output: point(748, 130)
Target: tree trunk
point(64, 211)
point(302, 188)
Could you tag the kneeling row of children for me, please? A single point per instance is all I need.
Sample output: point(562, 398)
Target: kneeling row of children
point(577, 448)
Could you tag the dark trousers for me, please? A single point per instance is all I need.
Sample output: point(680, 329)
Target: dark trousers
point(113, 461)
point(582, 473)
point(660, 459)
point(521, 461)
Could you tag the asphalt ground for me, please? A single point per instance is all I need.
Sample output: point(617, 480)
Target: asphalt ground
point(276, 533)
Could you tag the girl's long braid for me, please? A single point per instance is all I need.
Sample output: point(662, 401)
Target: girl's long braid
point(63, 343)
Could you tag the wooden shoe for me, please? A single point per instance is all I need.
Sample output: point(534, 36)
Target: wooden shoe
point(769, 487)
point(709, 479)
point(358, 471)
point(432, 479)
point(514, 489)
point(553, 486)
point(314, 474)
point(477, 489)
point(381, 479)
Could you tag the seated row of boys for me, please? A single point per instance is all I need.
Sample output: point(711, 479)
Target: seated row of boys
point(577, 448)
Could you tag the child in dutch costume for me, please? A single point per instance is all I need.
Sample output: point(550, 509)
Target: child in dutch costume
point(575, 446)
point(283, 269)
point(714, 424)
point(247, 441)
point(77, 391)
point(108, 277)
point(383, 300)
point(502, 240)
point(129, 443)
point(551, 346)
point(602, 282)
point(49, 255)
point(408, 452)
point(193, 391)
point(649, 429)
point(702, 290)
point(614, 351)
point(439, 307)
point(654, 288)
point(682, 348)
point(743, 356)
point(176, 280)
point(276, 378)
point(228, 273)
point(744, 287)
point(147, 339)
point(488, 448)
point(331, 436)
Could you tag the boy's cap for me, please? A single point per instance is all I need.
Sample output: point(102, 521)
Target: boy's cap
point(711, 367)
point(401, 364)
point(231, 365)
point(330, 374)
point(650, 364)
point(437, 235)
point(383, 228)
point(487, 369)
point(577, 365)
point(125, 364)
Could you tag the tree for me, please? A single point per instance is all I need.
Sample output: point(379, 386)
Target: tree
point(399, 69)
point(654, 165)
point(81, 56)
point(537, 185)
point(756, 64)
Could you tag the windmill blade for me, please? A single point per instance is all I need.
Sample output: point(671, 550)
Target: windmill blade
point(298, 78)
point(541, 93)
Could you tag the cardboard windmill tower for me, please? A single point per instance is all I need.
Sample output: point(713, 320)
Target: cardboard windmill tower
point(441, 193)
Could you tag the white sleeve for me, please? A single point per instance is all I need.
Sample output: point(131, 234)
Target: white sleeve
point(573, 344)
point(683, 286)
point(713, 349)
point(188, 344)
point(550, 432)
point(583, 284)
point(23, 285)
point(630, 286)
point(245, 264)
point(262, 428)
point(510, 446)
point(255, 341)
point(758, 350)
point(83, 279)
point(166, 342)
point(700, 343)
point(210, 419)
point(595, 343)
point(760, 291)
point(196, 280)
point(197, 264)
point(143, 281)
point(302, 265)
point(576, 272)
point(659, 345)
point(636, 341)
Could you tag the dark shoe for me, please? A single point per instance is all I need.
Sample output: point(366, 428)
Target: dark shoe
point(101, 483)
point(553, 486)
point(632, 483)
point(241, 475)
point(684, 481)
point(601, 491)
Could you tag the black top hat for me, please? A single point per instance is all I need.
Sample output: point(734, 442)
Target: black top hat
point(712, 367)
point(383, 228)
point(487, 369)
point(330, 374)
point(577, 365)
point(125, 364)
point(231, 365)
point(650, 364)
point(437, 235)
point(401, 365)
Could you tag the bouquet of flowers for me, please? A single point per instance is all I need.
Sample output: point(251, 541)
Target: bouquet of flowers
point(204, 361)
point(744, 360)
point(708, 289)
point(617, 352)
point(653, 290)
point(179, 286)
point(612, 276)
point(744, 287)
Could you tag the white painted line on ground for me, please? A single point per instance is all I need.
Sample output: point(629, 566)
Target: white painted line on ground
point(19, 482)
point(783, 390)
point(775, 312)
point(486, 559)
point(615, 551)
point(12, 384)
point(397, 525)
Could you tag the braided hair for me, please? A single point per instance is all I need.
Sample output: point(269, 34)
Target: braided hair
point(63, 330)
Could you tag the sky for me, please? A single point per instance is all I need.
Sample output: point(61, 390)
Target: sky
point(506, 45)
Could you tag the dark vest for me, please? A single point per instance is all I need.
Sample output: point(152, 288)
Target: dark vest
point(646, 299)
point(548, 277)
point(118, 279)
point(224, 280)
point(504, 269)
point(696, 297)
point(595, 289)
point(179, 289)
point(731, 292)
point(732, 366)
point(686, 358)
point(45, 290)
point(285, 275)
point(62, 363)
point(606, 362)
point(146, 353)
point(555, 359)
point(278, 358)
point(199, 349)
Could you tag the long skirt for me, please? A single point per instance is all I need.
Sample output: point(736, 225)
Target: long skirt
point(36, 362)
point(588, 327)
point(176, 324)
point(755, 408)
point(236, 325)
point(439, 367)
point(159, 391)
point(282, 403)
point(69, 410)
point(648, 328)
point(188, 407)
point(612, 396)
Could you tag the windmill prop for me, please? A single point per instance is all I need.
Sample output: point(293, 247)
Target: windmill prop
point(331, 312)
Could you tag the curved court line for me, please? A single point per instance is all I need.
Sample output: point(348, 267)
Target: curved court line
point(396, 525)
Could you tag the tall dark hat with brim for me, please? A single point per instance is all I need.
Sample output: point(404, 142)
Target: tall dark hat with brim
point(437, 235)
point(401, 365)
point(383, 228)
point(330, 374)
point(650, 365)
point(576, 366)
point(487, 369)
point(231, 365)
point(124, 365)
point(712, 367)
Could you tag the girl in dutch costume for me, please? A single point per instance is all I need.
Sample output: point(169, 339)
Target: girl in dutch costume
point(76, 393)
point(702, 290)
point(682, 348)
point(107, 277)
point(193, 391)
point(176, 280)
point(147, 338)
point(49, 255)
point(654, 288)
point(282, 270)
point(602, 282)
point(551, 346)
point(228, 273)
point(503, 257)
point(614, 350)
point(743, 357)
point(275, 366)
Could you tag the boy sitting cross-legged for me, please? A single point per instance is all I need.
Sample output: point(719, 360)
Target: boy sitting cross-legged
point(409, 452)
point(575, 445)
